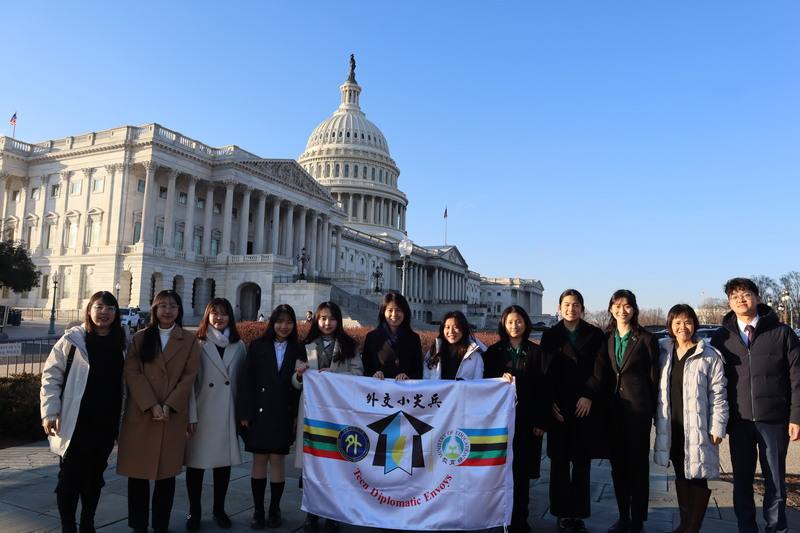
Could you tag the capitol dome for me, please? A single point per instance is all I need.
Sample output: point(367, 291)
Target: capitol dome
point(349, 155)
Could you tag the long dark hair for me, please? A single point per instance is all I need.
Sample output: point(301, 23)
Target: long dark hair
point(116, 332)
point(218, 304)
point(346, 343)
point(400, 301)
point(283, 310)
point(463, 344)
point(631, 298)
point(501, 328)
point(151, 343)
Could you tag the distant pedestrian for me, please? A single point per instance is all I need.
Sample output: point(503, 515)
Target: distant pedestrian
point(692, 414)
point(213, 427)
point(393, 350)
point(762, 364)
point(81, 403)
point(160, 370)
point(516, 358)
point(261, 317)
point(309, 317)
point(579, 432)
point(630, 365)
point(267, 407)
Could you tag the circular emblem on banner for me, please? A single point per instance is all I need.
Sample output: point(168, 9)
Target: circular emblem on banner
point(353, 443)
point(453, 447)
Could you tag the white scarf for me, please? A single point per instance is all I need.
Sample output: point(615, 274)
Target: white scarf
point(219, 338)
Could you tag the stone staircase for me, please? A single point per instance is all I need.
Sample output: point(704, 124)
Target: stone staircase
point(357, 310)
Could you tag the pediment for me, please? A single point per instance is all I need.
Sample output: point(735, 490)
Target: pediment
point(290, 173)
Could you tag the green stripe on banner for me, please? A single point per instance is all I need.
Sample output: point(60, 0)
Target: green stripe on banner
point(320, 445)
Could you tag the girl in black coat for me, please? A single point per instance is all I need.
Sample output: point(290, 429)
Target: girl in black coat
point(393, 350)
point(267, 409)
point(514, 356)
point(572, 347)
point(629, 365)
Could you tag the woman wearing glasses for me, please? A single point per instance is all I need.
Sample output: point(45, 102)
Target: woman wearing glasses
point(160, 370)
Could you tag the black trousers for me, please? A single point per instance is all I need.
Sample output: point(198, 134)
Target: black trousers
point(81, 476)
point(522, 483)
point(630, 463)
point(569, 487)
point(139, 502)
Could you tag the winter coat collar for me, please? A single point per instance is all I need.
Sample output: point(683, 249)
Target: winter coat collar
point(76, 336)
point(474, 346)
point(767, 319)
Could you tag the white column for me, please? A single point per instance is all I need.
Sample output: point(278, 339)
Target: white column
point(301, 229)
point(169, 210)
point(227, 218)
point(113, 214)
point(42, 203)
point(276, 225)
point(325, 256)
point(188, 227)
point(312, 265)
point(290, 230)
point(3, 203)
point(435, 288)
point(338, 261)
point(350, 206)
point(244, 220)
point(362, 212)
point(85, 196)
point(261, 210)
point(207, 219)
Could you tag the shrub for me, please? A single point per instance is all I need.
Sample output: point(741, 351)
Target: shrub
point(19, 407)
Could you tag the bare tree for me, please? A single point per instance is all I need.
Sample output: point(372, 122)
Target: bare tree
point(652, 317)
point(768, 288)
point(601, 319)
point(790, 283)
point(712, 310)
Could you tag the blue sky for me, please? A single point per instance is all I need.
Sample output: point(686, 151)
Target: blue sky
point(646, 145)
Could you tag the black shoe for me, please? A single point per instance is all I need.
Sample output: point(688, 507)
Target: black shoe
point(620, 526)
point(274, 520)
point(636, 528)
point(520, 527)
point(565, 524)
point(139, 530)
point(258, 520)
point(578, 526)
point(192, 522)
point(222, 520)
point(311, 523)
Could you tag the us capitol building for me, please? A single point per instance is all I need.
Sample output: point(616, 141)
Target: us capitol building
point(138, 209)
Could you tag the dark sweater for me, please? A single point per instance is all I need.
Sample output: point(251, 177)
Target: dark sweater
point(101, 403)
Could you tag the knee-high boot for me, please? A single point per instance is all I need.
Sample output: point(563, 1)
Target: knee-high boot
point(682, 491)
point(698, 503)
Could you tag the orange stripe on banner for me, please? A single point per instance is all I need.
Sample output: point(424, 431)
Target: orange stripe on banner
point(489, 461)
point(328, 454)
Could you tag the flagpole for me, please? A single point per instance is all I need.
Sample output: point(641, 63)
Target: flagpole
point(445, 227)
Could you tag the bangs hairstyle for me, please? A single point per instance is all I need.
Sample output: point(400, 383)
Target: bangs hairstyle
point(631, 298)
point(681, 310)
point(151, 343)
point(218, 304)
point(746, 284)
point(501, 328)
point(346, 342)
point(572, 292)
point(400, 301)
point(116, 331)
point(463, 344)
point(282, 311)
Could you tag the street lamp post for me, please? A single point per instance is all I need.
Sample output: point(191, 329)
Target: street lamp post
point(406, 247)
point(303, 258)
point(787, 303)
point(116, 290)
point(378, 275)
point(52, 330)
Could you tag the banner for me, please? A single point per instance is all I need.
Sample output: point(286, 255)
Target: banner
point(416, 454)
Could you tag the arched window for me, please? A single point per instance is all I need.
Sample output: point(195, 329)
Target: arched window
point(327, 170)
point(346, 170)
point(365, 172)
point(336, 170)
point(373, 173)
point(355, 171)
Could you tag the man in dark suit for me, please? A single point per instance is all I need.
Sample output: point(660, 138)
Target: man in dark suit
point(762, 364)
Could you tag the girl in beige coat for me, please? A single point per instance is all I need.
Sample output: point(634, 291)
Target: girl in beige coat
point(160, 370)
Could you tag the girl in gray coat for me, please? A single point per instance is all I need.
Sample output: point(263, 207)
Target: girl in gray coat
point(691, 415)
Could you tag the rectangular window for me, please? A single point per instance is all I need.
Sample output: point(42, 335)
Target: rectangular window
point(201, 203)
point(137, 231)
point(94, 233)
point(47, 237)
point(214, 247)
point(197, 243)
point(217, 209)
point(179, 239)
point(55, 190)
point(159, 236)
point(140, 186)
point(15, 196)
point(72, 235)
point(63, 284)
point(86, 282)
point(162, 192)
point(182, 198)
point(45, 285)
point(75, 187)
point(29, 235)
point(98, 184)
point(35, 193)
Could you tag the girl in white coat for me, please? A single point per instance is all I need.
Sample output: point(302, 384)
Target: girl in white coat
point(212, 418)
point(81, 402)
point(457, 354)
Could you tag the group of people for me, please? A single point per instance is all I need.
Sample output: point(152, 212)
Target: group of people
point(172, 398)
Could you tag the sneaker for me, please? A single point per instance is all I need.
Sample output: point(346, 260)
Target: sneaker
point(565, 524)
point(222, 520)
point(258, 520)
point(192, 522)
point(578, 526)
point(274, 520)
point(311, 523)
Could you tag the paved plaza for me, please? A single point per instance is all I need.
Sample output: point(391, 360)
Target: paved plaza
point(28, 477)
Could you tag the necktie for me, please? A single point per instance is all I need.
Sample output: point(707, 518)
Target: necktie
point(750, 332)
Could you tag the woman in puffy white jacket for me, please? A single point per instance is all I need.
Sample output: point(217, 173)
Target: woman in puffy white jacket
point(81, 403)
point(456, 354)
point(691, 415)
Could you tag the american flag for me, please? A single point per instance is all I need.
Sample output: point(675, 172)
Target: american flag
point(445, 212)
point(13, 119)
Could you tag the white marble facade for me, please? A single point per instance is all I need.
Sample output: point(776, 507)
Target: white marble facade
point(148, 208)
